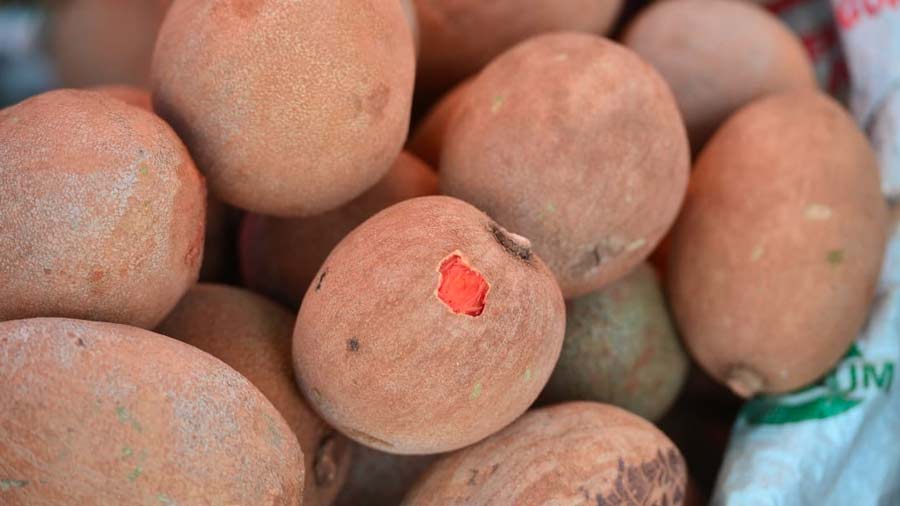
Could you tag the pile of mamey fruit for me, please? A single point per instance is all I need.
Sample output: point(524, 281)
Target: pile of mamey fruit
point(474, 314)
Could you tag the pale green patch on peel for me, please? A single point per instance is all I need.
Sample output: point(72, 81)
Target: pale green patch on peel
point(135, 473)
point(497, 103)
point(527, 375)
point(274, 436)
point(126, 452)
point(818, 212)
point(124, 416)
point(8, 484)
point(835, 257)
point(476, 392)
point(757, 253)
point(165, 500)
point(143, 169)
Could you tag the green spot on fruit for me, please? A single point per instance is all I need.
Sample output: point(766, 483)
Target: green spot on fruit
point(8, 484)
point(476, 391)
point(497, 103)
point(126, 452)
point(165, 500)
point(551, 207)
point(835, 257)
point(124, 416)
point(144, 170)
point(527, 375)
point(135, 473)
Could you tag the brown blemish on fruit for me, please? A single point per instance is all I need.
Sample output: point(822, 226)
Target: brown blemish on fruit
point(246, 8)
point(515, 244)
point(377, 100)
point(352, 344)
point(80, 342)
point(461, 288)
point(744, 381)
point(97, 276)
point(635, 484)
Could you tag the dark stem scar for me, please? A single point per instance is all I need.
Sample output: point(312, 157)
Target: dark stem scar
point(352, 344)
point(511, 245)
point(321, 278)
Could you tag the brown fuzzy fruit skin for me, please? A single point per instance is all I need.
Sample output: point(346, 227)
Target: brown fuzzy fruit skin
point(380, 479)
point(131, 95)
point(281, 256)
point(776, 254)
point(96, 42)
point(621, 348)
point(219, 252)
point(318, 93)
point(573, 453)
point(591, 165)
point(98, 414)
point(427, 140)
point(718, 55)
point(389, 363)
point(101, 211)
point(460, 37)
point(253, 335)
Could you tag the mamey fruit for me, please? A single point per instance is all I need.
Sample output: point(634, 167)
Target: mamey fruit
point(459, 37)
point(281, 256)
point(428, 328)
point(253, 335)
point(427, 140)
point(290, 108)
point(621, 348)
point(377, 478)
point(98, 414)
point(718, 55)
point(104, 41)
point(591, 165)
point(775, 257)
point(101, 211)
point(573, 453)
point(131, 95)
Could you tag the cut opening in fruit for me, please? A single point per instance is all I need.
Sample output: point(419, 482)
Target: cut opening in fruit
point(462, 289)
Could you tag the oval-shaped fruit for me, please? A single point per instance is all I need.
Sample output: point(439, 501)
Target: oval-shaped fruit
point(427, 141)
point(427, 329)
point(290, 108)
point(281, 256)
point(718, 55)
point(377, 478)
point(775, 257)
point(459, 37)
point(96, 42)
point(253, 335)
point(621, 348)
point(98, 414)
point(591, 165)
point(101, 211)
point(573, 453)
